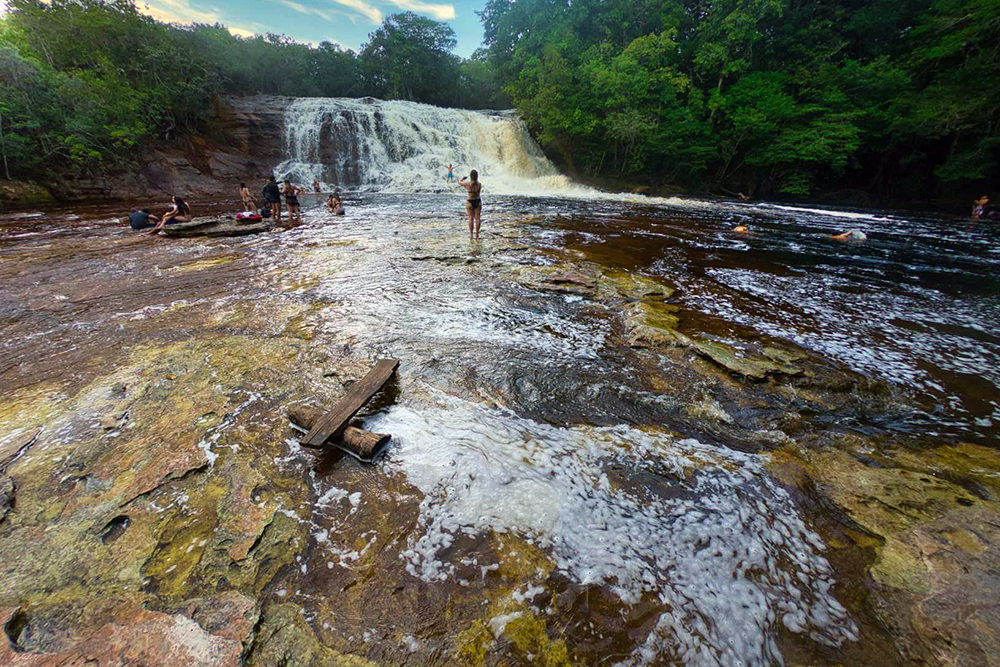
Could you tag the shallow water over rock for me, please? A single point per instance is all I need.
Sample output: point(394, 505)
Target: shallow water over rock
point(622, 434)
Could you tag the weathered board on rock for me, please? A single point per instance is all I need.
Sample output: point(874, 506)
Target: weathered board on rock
point(365, 445)
point(335, 421)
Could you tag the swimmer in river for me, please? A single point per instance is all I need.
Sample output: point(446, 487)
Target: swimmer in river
point(981, 209)
point(179, 212)
point(741, 229)
point(451, 174)
point(850, 235)
point(249, 203)
point(334, 205)
point(292, 193)
point(474, 204)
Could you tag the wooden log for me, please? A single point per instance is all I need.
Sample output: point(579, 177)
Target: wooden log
point(333, 423)
point(363, 444)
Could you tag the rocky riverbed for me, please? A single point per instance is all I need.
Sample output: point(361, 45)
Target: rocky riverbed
point(586, 468)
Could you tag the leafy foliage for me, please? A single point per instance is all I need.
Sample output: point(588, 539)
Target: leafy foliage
point(896, 96)
point(85, 83)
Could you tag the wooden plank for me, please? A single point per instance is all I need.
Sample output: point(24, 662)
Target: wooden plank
point(363, 444)
point(334, 422)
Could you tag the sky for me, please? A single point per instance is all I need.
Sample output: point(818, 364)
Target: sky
point(346, 22)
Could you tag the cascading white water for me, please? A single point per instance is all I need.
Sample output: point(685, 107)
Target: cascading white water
point(372, 145)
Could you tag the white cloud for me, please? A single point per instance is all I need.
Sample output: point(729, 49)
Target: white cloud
point(330, 15)
point(240, 32)
point(364, 8)
point(180, 11)
point(440, 12)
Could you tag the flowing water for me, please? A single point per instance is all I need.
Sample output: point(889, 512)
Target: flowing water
point(522, 422)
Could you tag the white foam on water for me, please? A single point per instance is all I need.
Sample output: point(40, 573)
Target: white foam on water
point(726, 551)
point(850, 215)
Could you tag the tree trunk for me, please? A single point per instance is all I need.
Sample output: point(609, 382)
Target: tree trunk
point(3, 149)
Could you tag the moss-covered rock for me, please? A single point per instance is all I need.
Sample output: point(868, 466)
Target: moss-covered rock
point(24, 193)
point(936, 543)
point(285, 639)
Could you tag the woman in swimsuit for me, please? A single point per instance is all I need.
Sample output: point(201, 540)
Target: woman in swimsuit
point(291, 193)
point(473, 205)
point(249, 203)
point(180, 212)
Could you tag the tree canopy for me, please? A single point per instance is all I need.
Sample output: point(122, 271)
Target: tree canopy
point(89, 81)
point(765, 96)
point(897, 97)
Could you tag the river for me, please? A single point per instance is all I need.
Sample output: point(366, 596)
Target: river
point(556, 488)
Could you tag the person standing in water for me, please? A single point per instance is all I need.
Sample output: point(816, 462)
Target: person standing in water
point(451, 174)
point(316, 186)
point(272, 198)
point(180, 212)
point(249, 204)
point(292, 193)
point(474, 204)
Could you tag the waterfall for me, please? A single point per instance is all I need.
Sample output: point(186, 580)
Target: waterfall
point(372, 145)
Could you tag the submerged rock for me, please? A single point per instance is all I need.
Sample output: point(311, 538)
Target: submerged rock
point(652, 324)
point(739, 361)
point(563, 278)
point(936, 583)
point(634, 286)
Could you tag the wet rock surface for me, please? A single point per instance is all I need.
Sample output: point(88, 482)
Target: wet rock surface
point(584, 468)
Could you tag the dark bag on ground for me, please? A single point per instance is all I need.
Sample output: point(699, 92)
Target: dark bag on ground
point(265, 212)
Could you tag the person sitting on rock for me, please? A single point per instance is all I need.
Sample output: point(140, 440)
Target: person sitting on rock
point(139, 219)
point(179, 212)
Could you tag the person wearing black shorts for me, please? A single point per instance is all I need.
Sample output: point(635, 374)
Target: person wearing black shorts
point(272, 198)
point(474, 204)
point(292, 193)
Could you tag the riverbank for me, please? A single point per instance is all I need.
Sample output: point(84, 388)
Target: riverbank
point(580, 449)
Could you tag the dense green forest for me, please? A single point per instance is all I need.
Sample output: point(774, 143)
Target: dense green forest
point(894, 97)
point(85, 83)
point(897, 97)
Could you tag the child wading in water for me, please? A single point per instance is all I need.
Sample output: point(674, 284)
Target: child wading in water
point(474, 204)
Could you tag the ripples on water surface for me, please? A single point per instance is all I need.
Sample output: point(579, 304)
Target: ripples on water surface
point(519, 414)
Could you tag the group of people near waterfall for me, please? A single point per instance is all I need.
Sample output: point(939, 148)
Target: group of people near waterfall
point(180, 210)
